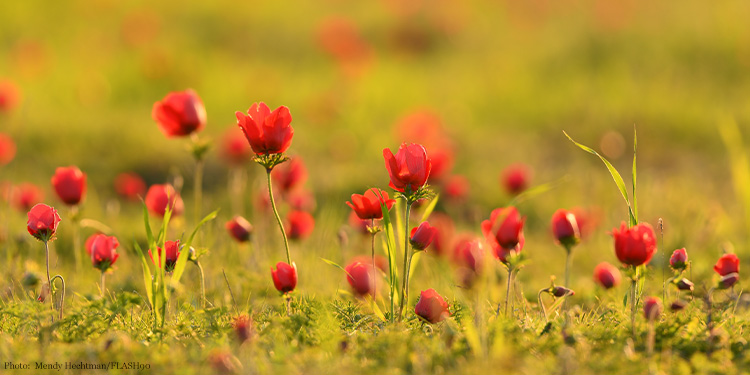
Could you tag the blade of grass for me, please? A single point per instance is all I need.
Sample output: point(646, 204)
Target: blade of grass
point(430, 207)
point(179, 267)
point(635, 200)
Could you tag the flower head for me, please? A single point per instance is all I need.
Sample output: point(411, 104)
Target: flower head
point(284, 277)
point(359, 276)
point(239, 228)
point(267, 132)
point(180, 113)
point(69, 184)
point(290, 175)
point(159, 197)
point(728, 263)
point(299, 225)
point(409, 168)
point(102, 250)
point(171, 253)
point(565, 228)
point(130, 186)
point(431, 306)
point(504, 232)
point(652, 308)
point(7, 149)
point(42, 222)
point(515, 178)
point(367, 206)
point(26, 195)
point(678, 260)
point(422, 236)
point(635, 246)
point(234, 148)
point(607, 275)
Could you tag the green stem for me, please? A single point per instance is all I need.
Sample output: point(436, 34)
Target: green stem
point(49, 281)
point(278, 218)
point(541, 305)
point(374, 272)
point(62, 299)
point(102, 286)
point(406, 259)
point(203, 284)
point(633, 286)
point(76, 237)
point(568, 265)
point(198, 193)
point(507, 290)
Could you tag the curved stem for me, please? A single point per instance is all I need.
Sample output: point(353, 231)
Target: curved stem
point(507, 290)
point(203, 284)
point(278, 218)
point(541, 305)
point(406, 259)
point(62, 299)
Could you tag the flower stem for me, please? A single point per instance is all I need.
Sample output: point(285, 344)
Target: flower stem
point(203, 284)
point(374, 273)
point(49, 281)
point(568, 265)
point(62, 299)
point(406, 259)
point(76, 237)
point(541, 305)
point(198, 193)
point(278, 218)
point(102, 285)
point(633, 287)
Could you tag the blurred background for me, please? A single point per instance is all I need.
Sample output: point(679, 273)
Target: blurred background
point(483, 84)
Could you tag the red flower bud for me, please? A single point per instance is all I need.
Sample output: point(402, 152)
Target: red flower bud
point(728, 263)
point(515, 178)
point(102, 250)
point(677, 305)
point(159, 197)
point(130, 186)
point(431, 306)
point(180, 113)
point(565, 228)
point(678, 260)
point(284, 277)
point(561, 291)
point(728, 280)
point(299, 225)
point(239, 228)
point(607, 275)
point(42, 222)
point(234, 148)
point(360, 278)
point(69, 184)
point(422, 236)
point(7, 149)
point(409, 168)
point(504, 231)
point(652, 308)
point(290, 174)
point(267, 132)
point(381, 262)
point(25, 196)
point(634, 246)
point(171, 254)
point(367, 206)
point(685, 284)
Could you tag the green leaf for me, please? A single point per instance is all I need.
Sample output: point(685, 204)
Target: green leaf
point(149, 233)
point(414, 261)
point(147, 279)
point(390, 247)
point(337, 266)
point(179, 267)
point(428, 210)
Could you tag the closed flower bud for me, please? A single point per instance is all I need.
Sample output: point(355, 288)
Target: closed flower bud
point(678, 260)
point(422, 236)
point(267, 132)
point(728, 280)
point(69, 184)
point(239, 228)
point(677, 305)
point(243, 328)
point(180, 113)
point(359, 276)
point(42, 222)
point(685, 284)
point(172, 252)
point(102, 250)
point(159, 197)
point(652, 308)
point(504, 231)
point(515, 178)
point(431, 306)
point(634, 246)
point(284, 277)
point(299, 225)
point(728, 263)
point(607, 275)
point(409, 168)
point(561, 291)
point(565, 228)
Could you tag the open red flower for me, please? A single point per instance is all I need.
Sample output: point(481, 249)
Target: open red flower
point(515, 178)
point(239, 228)
point(504, 229)
point(7, 149)
point(290, 175)
point(267, 132)
point(635, 246)
point(367, 206)
point(69, 184)
point(431, 306)
point(409, 168)
point(180, 113)
point(565, 228)
point(130, 186)
point(26, 195)
point(171, 254)
point(607, 275)
point(299, 225)
point(42, 222)
point(102, 250)
point(728, 263)
point(359, 276)
point(284, 277)
point(159, 197)
point(422, 236)
point(678, 260)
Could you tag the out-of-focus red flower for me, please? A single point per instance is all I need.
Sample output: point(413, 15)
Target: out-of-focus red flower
point(504, 231)
point(159, 197)
point(409, 168)
point(515, 178)
point(9, 95)
point(607, 275)
point(301, 200)
point(565, 228)
point(381, 262)
point(26, 195)
point(442, 243)
point(180, 113)
point(234, 148)
point(290, 174)
point(299, 225)
point(360, 278)
point(421, 126)
point(340, 38)
point(469, 253)
point(267, 132)
point(43, 221)
point(243, 328)
point(358, 224)
point(456, 188)
point(7, 149)
point(130, 186)
point(652, 308)
point(367, 206)
point(239, 228)
point(728, 263)
point(678, 260)
point(102, 250)
point(587, 219)
point(431, 306)
point(422, 236)
point(171, 254)
point(69, 184)
point(284, 277)
point(442, 162)
point(634, 246)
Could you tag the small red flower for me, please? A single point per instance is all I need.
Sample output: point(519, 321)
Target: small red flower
point(159, 197)
point(728, 263)
point(515, 178)
point(102, 250)
point(422, 236)
point(9, 95)
point(359, 276)
point(504, 230)
point(678, 260)
point(607, 275)
point(456, 188)
point(180, 113)
point(652, 308)
point(234, 148)
point(130, 186)
point(7, 149)
point(634, 246)
point(284, 277)
point(290, 175)
point(69, 184)
point(171, 254)
point(409, 168)
point(431, 306)
point(267, 132)
point(367, 206)
point(565, 228)
point(239, 228)
point(42, 222)
point(25, 196)
point(299, 225)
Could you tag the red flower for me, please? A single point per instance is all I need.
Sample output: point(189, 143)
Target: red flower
point(515, 178)
point(42, 222)
point(431, 306)
point(69, 184)
point(442, 243)
point(301, 200)
point(102, 250)
point(26, 195)
point(381, 262)
point(652, 308)
point(267, 132)
point(243, 327)
point(291, 174)
point(171, 254)
point(340, 38)
point(239, 228)
point(607, 275)
point(9, 95)
point(7, 149)
point(299, 225)
point(422, 236)
point(234, 148)
point(456, 188)
point(469, 253)
point(159, 197)
point(634, 246)
point(409, 168)
point(504, 229)
point(360, 278)
point(565, 228)
point(180, 113)
point(367, 206)
point(358, 224)
point(442, 162)
point(678, 260)
point(284, 277)
point(728, 263)
point(130, 186)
